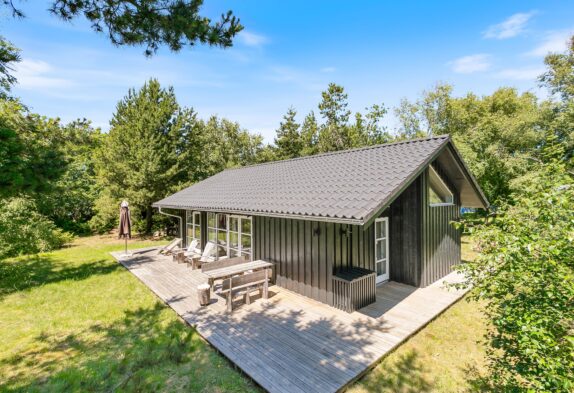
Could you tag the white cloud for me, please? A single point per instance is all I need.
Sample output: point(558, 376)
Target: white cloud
point(521, 73)
point(470, 64)
point(554, 41)
point(37, 74)
point(509, 28)
point(327, 70)
point(251, 39)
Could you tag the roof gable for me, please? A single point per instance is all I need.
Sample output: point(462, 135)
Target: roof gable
point(346, 186)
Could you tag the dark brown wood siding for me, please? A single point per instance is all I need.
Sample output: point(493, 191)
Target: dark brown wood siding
point(405, 235)
point(440, 239)
point(307, 253)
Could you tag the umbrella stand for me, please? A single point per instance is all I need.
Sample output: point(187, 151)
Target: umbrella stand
point(126, 254)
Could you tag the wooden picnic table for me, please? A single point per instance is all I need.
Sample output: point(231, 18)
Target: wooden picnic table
point(230, 271)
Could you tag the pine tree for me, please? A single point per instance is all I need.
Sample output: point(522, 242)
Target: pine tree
point(144, 156)
point(335, 133)
point(288, 141)
point(309, 135)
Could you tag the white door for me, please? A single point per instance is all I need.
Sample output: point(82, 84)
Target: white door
point(382, 249)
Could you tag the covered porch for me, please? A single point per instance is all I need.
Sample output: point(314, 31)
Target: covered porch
point(289, 342)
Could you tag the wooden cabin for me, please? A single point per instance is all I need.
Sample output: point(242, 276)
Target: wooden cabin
point(381, 213)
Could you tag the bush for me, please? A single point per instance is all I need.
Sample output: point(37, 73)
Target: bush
point(525, 275)
point(25, 231)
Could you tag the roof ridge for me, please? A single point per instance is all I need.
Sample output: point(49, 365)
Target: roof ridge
point(332, 153)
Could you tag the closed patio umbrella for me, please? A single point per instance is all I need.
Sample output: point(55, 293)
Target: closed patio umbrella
point(125, 229)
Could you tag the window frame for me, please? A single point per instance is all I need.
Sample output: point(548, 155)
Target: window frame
point(450, 196)
point(240, 234)
point(191, 225)
point(217, 230)
point(386, 260)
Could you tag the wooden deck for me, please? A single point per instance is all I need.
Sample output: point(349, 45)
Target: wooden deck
point(290, 343)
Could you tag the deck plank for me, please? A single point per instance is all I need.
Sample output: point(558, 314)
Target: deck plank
point(290, 343)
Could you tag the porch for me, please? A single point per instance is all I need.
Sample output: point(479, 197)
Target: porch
point(291, 343)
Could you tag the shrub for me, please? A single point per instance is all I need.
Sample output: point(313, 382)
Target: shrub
point(525, 275)
point(25, 231)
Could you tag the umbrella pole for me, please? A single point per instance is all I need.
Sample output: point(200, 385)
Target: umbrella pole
point(126, 238)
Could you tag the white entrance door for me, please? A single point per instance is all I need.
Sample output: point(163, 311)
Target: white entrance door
point(382, 249)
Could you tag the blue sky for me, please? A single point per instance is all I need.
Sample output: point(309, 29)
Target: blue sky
point(289, 52)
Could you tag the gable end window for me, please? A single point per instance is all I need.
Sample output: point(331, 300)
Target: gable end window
point(439, 193)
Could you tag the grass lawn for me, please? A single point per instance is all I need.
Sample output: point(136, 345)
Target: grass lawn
point(75, 320)
point(445, 356)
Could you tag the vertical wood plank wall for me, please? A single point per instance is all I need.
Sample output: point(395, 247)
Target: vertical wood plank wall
point(405, 234)
point(440, 239)
point(307, 253)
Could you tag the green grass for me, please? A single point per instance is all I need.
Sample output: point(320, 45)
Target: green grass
point(445, 356)
point(75, 320)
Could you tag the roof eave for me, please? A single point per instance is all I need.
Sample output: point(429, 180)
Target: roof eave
point(336, 220)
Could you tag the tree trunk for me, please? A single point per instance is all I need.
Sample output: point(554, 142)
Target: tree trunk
point(148, 219)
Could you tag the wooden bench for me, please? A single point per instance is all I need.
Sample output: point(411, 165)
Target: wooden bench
point(247, 282)
point(222, 263)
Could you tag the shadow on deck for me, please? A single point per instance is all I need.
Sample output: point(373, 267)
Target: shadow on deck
point(290, 343)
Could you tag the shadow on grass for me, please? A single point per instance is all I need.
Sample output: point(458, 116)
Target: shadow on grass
point(480, 381)
point(37, 270)
point(403, 375)
point(143, 352)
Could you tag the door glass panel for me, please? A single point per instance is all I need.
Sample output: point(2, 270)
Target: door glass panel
point(211, 220)
point(221, 251)
point(234, 224)
point(381, 249)
point(222, 221)
point(233, 253)
point(379, 268)
point(233, 240)
point(245, 241)
point(246, 226)
point(212, 235)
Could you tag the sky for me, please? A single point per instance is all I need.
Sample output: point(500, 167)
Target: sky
point(289, 52)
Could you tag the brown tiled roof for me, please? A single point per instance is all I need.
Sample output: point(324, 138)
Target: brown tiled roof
point(344, 186)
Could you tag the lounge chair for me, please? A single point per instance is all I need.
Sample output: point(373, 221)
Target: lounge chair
point(169, 248)
point(192, 250)
point(207, 256)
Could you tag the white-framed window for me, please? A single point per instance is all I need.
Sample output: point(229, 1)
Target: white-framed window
point(439, 193)
point(382, 249)
point(231, 233)
point(240, 237)
point(193, 223)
